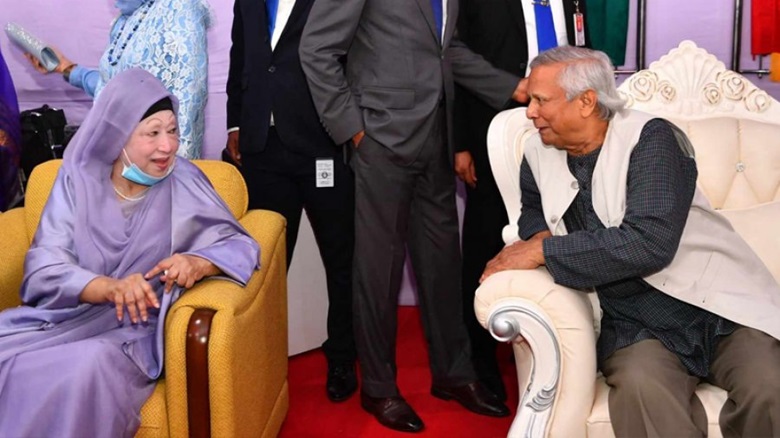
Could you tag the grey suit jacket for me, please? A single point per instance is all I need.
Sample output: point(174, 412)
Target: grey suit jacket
point(378, 66)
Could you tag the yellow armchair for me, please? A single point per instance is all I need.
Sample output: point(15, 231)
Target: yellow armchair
point(225, 346)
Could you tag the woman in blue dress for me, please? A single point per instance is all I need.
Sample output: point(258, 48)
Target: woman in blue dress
point(166, 38)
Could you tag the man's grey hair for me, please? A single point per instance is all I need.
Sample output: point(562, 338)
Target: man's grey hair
point(585, 69)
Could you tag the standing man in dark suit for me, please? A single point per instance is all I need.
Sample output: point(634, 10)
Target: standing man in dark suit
point(505, 32)
point(382, 75)
point(289, 162)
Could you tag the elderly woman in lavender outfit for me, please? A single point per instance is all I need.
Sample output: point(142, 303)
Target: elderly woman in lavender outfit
point(166, 38)
point(127, 227)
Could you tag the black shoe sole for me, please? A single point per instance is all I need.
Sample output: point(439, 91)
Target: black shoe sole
point(337, 398)
point(438, 393)
point(368, 409)
point(444, 395)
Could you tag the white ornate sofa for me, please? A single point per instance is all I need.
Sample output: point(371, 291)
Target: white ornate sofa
point(735, 129)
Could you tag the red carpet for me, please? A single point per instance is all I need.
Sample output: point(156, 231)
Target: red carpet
point(313, 415)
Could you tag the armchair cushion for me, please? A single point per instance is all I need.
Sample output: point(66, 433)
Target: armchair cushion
point(599, 424)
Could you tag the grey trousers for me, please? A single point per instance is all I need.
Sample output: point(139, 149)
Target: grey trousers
point(652, 394)
point(398, 206)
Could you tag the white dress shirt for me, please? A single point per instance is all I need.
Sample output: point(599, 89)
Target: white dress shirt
point(282, 15)
point(443, 18)
point(283, 12)
point(559, 21)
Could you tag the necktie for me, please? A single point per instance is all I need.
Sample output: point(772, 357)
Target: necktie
point(545, 29)
point(270, 11)
point(437, 15)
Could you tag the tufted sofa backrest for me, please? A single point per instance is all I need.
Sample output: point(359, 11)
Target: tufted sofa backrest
point(735, 129)
point(738, 160)
point(733, 125)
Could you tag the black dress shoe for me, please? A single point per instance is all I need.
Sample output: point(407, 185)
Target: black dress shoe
point(392, 412)
point(487, 369)
point(494, 384)
point(473, 397)
point(342, 381)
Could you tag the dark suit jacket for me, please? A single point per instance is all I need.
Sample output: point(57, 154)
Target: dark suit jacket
point(397, 71)
point(496, 30)
point(261, 81)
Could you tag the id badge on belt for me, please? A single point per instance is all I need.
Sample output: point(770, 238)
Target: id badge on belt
point(323, 169)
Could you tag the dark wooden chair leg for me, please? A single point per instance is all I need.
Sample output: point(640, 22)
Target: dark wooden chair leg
point(198, 408)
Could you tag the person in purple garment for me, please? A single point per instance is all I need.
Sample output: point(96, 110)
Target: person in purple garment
point(127, 228)
point(10, 140)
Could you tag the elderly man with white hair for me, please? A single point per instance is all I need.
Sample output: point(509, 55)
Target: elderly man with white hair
point(609, 202)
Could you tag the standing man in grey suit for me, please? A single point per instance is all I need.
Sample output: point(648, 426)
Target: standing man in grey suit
point(382, 76)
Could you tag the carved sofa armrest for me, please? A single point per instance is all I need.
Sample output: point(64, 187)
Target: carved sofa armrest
point(551, 329)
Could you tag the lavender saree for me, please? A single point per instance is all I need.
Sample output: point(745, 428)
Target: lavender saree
point(69, 368)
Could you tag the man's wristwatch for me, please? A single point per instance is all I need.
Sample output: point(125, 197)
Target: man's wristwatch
point(66, 73)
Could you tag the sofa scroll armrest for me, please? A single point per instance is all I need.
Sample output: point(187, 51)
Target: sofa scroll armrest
point(551, 328)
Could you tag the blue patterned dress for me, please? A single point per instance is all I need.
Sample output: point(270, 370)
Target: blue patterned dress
point(168, 39)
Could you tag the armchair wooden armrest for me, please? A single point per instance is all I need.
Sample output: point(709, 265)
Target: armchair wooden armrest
point(226, 347)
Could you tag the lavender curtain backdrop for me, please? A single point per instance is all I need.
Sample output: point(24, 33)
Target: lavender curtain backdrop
point(80, 31)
